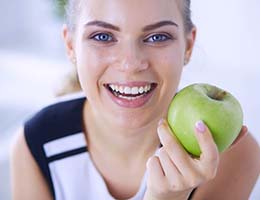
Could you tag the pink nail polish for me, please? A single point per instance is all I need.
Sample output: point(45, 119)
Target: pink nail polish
point(200, 126)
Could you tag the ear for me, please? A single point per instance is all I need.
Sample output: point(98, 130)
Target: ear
point(69, 43)
point(190, 41)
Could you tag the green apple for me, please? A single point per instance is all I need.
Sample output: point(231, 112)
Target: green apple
point(217, 108)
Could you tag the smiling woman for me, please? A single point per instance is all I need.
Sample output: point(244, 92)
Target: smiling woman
point(112, 142)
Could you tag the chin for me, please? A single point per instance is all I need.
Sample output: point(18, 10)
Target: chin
point(133, 120)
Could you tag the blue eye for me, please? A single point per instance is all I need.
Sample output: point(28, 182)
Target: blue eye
point(103, 37)
point(157, 38)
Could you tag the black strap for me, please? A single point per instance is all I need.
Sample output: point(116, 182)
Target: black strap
point(52, 122)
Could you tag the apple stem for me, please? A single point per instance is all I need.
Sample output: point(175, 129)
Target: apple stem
point(220, 95)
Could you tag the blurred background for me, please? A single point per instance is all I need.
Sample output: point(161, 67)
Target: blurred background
point(33, 63)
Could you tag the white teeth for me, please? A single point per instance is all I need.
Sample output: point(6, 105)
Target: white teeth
point(116, 88)
point(130, 90)
point(141, 90)
point(130, 98)
point(134, 90)
point(127, 90)
point(146, 88)
point(121, 89)
point(112, 87)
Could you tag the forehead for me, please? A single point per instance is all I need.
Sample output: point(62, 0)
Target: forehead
point(129, 13)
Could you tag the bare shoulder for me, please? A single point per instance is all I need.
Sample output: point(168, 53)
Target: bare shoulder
point(237, 173)
point(27, 180)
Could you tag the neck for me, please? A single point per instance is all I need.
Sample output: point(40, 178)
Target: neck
point(117, 143)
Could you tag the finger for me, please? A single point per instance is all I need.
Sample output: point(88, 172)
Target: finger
point(171, 172)
point(155, 174)
point(241, 135)
point(175, 150)
point(210, 154)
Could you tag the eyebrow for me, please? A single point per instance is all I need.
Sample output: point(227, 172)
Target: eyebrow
point(102, 24)
point(146, 28)
point(159, 24)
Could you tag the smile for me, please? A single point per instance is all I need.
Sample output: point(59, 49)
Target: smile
point(131, 95)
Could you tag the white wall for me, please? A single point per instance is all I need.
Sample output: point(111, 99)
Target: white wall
point(228, 31)
point(30, 26)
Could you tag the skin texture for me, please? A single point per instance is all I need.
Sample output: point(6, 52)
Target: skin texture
point(28, 182)
point(132, 55)
point(129, 59)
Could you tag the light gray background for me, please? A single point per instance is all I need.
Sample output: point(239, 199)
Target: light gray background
point(32, 62)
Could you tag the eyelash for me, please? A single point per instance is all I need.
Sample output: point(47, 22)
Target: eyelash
point(95, 36)
point(110, 38)
point(161, 35)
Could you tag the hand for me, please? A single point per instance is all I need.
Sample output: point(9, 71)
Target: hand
point(174, 173)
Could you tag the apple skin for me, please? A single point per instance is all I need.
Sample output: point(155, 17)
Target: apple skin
point(218, 109)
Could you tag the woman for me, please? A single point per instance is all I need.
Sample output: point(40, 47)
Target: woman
point(129, 56)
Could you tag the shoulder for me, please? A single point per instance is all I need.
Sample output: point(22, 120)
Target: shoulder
point(239, 169)
point(244, 155)
point(41, 132)
point(243, 160)
point(23, 167)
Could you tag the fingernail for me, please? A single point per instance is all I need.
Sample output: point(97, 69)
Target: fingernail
point(200, 126)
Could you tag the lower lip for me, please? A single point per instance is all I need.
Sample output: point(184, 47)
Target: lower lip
point(134, 103)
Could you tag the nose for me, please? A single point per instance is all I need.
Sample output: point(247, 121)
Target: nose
point(132, 59)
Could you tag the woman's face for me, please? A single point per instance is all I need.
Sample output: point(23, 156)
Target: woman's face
point(134, 47)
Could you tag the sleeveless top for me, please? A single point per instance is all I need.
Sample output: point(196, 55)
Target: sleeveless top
point(56, 140)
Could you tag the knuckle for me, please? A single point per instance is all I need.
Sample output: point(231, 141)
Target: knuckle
point(194, 180)
point(161, 152)
point(213, 157)
point(172, 186)
point(175, 186)
point(211, 174)
point(208, 172)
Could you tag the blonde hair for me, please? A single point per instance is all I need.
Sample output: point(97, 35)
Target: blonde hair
point(70, 84)
point(72, 10)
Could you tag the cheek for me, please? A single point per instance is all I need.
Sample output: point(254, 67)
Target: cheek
point(89, 68)
point(169, 65)
point(92, 64)
point(169, 69)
